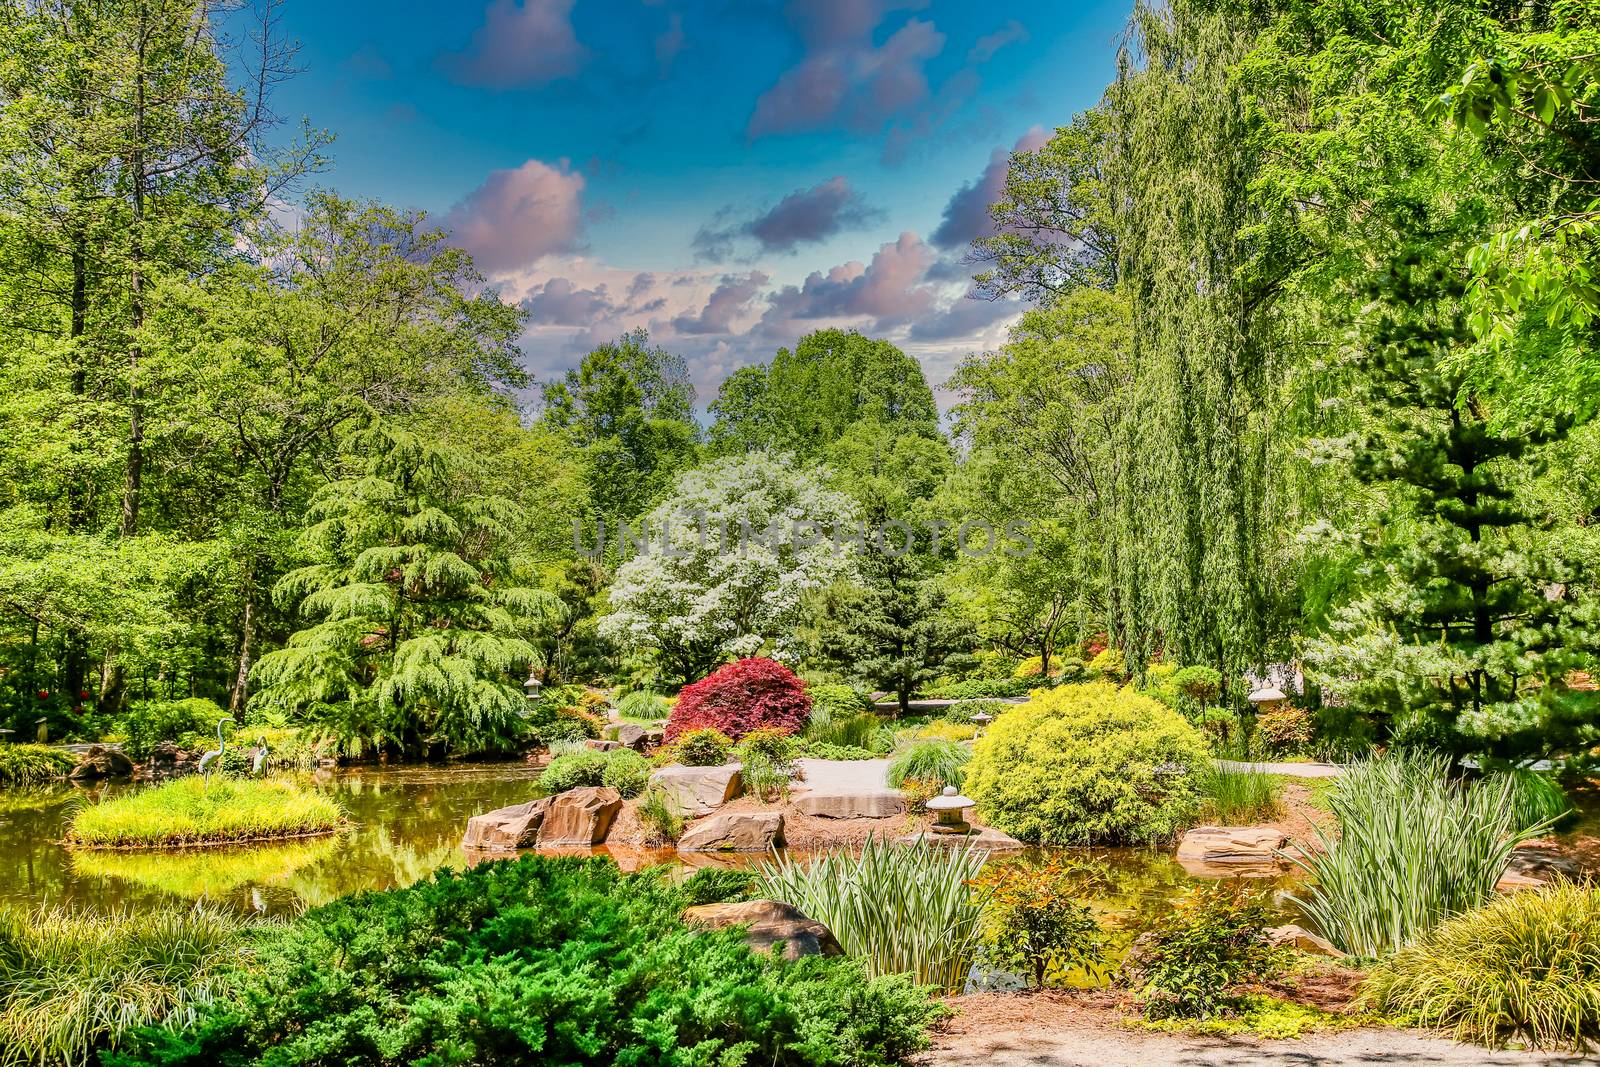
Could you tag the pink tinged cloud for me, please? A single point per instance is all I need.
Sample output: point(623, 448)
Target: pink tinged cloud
point(850, 83)
point(890, 290)
point(519, 215)
point(521, 43)
point(984, 48)
point(558, 302)
point(669, 43)
point(966, 216)
point(727, 302)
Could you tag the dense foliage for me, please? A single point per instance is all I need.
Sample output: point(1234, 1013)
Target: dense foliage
point(74, 982)
point(738, 698)
point(1413, 848)
point(534, 961)
point(1036, 925)
point(622, 769)
point(1087, 764)
point(31, 764)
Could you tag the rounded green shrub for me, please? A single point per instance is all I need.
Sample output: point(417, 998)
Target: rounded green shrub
point(1525, 965)
point(626, 771)
point(573, 770)
point(1087, 764)
point(622, 769)
point(185, 722)
point(836, 701)
point(702, 748)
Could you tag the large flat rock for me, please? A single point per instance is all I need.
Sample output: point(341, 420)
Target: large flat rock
point(1223, 845)
point(734, 831)
point(699, 790)
point(983, 838)
point(847, 789)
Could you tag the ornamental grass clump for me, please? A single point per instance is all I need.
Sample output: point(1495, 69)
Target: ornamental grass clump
point(1526, 966)
point(75, 982)
point(1237, 797)
point(1087, 764)
point(904, 909)
point(935, 760)
point(193, 811)
point(32, 764)
point(1413, 848)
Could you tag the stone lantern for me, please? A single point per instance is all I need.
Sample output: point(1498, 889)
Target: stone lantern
point(532, 685)
point(948, 809)
point(1268, 698)
point(982, 718)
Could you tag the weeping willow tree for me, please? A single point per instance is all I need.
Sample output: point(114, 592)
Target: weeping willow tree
point(1203, 267)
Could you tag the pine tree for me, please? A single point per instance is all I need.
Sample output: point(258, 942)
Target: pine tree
point(1470, 625)
point(417, 639)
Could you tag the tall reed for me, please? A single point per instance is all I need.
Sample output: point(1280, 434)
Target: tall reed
point(1413, 849)
point(901, 908)
point(73, 983)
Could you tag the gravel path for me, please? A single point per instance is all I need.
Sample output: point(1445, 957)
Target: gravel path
point(1292, 770)
point(1103, 1046)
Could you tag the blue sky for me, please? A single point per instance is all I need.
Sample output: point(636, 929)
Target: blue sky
point(726, 173)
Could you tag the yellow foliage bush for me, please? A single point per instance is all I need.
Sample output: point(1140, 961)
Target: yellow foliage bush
point(1087, 764)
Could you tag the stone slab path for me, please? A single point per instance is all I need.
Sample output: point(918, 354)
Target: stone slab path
point(847, 789)
point(1292, 770)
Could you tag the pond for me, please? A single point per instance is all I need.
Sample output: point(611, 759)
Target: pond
point(408, 823)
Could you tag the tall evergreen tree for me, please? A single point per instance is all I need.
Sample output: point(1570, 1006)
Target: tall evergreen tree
point(417, 636)
point(1470, 622)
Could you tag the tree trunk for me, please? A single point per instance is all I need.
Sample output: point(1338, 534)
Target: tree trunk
point(247, 631)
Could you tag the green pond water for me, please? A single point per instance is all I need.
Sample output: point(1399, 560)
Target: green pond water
point(408, 823)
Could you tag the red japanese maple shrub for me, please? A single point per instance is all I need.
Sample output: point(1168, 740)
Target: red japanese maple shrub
point(736, 698)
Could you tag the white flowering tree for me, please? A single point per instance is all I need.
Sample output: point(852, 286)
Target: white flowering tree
point(731, 556)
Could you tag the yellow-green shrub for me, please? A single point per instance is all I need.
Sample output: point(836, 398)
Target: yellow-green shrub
point(1086, 764)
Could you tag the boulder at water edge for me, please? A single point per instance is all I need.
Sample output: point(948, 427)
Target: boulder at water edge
point(102, 761)
point(734, 831)
point(579, 818)
point(770, 922)
point(506, 829)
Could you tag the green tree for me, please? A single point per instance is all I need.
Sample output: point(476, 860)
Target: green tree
point(1469, 624)
point(1054, 225)
point(416, 636)
point(630, 408)
point(807, 398)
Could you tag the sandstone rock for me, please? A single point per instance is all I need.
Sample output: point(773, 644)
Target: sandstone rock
point(984, 838)
point(1299, 937)
point(1232, 844)
point(737, 831)
point(699, 790)
point(631, 735)
point(864, 804)
point(579, 817)
point(506, 829)
point(601, 746)
point(102, 761)
point(770, 922)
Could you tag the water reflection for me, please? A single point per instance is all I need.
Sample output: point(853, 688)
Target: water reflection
point(407, 823)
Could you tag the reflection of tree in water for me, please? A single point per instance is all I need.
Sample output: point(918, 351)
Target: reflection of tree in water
point(379, 860)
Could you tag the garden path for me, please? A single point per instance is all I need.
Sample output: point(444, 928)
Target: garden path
point(1292, 770)
point(1098, 1043)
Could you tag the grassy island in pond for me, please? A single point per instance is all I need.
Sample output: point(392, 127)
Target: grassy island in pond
point(191, 811)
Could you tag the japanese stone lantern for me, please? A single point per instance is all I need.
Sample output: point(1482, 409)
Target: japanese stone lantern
point(982, 718)
point(948, 809)
point(1268, 698)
